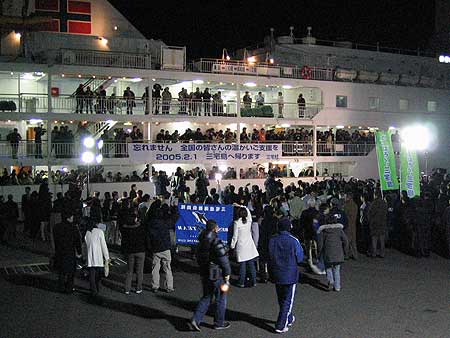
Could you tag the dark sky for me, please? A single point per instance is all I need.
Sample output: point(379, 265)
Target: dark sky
point(205, 27)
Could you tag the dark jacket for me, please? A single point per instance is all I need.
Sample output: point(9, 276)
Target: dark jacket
point(159, 235)
point(332, 243)
point(377, 215)
point(285, 254)
point(212, 250)
point(67, 245)
point(133, 239)
point(268, 228)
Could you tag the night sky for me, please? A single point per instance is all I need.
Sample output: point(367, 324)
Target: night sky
point(205, 27)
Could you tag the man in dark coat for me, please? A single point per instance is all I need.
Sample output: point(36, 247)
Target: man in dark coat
point(377, 216)
point(11, 217)
point(215, 271)
point(26, 210)
point(67, 247)
point(351, 210)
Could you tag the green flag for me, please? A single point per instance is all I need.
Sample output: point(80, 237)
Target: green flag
point(410, 174)
point(386, 161)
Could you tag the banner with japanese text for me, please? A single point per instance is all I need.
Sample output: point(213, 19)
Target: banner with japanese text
point(409, 172)
point(193, 217)
point(386, 161)
point(198, 152)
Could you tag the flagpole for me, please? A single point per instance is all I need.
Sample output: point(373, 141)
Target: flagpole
point(378, 164)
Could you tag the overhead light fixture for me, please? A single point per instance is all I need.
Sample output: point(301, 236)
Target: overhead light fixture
point(62, 75)
point(128, 124)
point(287, 87)
point(340, 127)
point(251, 59)
point(79, 75)
point(153, 80)
point(35, 121)
point(391, 128)
point(116, 28)
point(18, 35)
point(103, 41)
point(271, 61)
point(136, 79)
point(250, 84)
point(99, 158)
point(285, 125)
point(198, 82)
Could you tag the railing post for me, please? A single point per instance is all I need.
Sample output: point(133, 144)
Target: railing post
point(238, 100)
point(314, 142)
point(49, 93)
point(18, 93)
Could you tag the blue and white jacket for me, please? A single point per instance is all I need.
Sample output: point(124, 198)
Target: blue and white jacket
point(285, 254)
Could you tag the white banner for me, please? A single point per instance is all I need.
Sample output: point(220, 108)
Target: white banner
point(198, 152)
point(233, 69)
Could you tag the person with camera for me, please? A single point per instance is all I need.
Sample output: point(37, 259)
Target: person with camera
point(215, 270)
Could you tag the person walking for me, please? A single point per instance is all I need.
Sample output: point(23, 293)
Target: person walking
point(351, 210)
point(133, 245)
point(160, 246)
point(285, 254)
point(97, 256)
point(332, 245)
point(377, 215)
point(215, 270)
point(242, 242)
point(67, 247)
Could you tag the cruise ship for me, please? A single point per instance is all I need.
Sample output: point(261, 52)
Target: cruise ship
point(316, 102)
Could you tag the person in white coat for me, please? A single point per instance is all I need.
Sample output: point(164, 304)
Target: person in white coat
point(245, 247)
point(97, 257)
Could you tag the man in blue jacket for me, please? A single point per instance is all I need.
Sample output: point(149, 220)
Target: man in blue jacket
point(285, 254)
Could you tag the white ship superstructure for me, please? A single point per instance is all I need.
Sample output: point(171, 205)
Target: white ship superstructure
point(347, 89)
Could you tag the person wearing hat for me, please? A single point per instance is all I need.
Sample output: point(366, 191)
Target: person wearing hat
point(67, 247)
point(285, 254)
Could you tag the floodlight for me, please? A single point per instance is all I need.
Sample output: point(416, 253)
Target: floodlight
point(416, 137)
point(100, 144)
point(89, 142)
point(99, 158)
point(87, 157)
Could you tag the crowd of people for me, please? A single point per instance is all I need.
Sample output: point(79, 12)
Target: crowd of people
point(300, 135)
point(333, 220)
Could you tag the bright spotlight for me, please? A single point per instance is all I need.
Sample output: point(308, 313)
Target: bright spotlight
point(218, 177)
point(99, 158)
point(87, 157)
point(442, 58)
point(416, 137)
point(89, 142)
point(64, 169)
point(223, 168)
point(100, 144)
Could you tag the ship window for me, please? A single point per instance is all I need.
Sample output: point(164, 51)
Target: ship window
point(374, 103)
point(431, 106)
point(341, 101)
point(403, 104)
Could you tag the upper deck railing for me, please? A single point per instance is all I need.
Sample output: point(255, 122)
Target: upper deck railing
point(218, 66)
point(114, 105)
point(103, 59)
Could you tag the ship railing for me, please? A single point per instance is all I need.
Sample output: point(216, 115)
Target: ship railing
point(219, 66)
point(23, 149)
point(287, 110)
point(344, 149)
point(104, 59)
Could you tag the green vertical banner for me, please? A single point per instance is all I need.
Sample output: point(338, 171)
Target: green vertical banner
point(386, 161)
point(410, 173)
